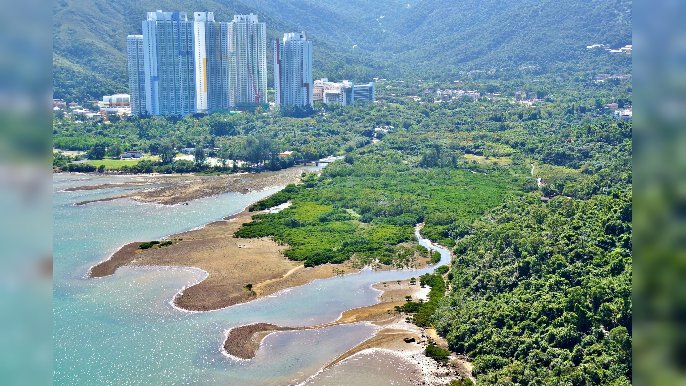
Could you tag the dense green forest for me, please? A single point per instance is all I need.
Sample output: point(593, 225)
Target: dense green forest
point(360, 40)
point(491, 126)
point(539, 291)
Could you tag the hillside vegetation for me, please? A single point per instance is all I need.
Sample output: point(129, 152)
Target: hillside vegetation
point(360, 40)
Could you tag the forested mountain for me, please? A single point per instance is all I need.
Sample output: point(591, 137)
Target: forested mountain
point(358, 39)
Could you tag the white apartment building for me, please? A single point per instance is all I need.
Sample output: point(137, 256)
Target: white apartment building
point(248, 64)
point(293, 70)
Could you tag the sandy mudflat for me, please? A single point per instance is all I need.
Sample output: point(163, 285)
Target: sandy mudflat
point(175, 189)
point(104, 186)
point(123, 256)
point(380, 314)
point(231, 263)
point(245, 340)
point(398, 337)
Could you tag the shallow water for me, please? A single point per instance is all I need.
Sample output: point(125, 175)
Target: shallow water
point(122, 329)
point(370, 368)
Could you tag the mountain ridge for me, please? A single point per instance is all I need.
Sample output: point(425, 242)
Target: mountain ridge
point(359, 40)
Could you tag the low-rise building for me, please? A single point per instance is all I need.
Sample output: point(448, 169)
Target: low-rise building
point(333, 92)
point(344, 92)
point(627, 49)
point(116, 104)
point(364, 93)
point(450, 94)
point(624, 114)
point(133, 154)
point(116, 100)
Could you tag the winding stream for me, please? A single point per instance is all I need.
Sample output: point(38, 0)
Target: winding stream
point(122, 330)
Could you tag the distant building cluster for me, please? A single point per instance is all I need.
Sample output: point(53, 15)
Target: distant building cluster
point(627, 49)
point(116, 104)
point(527, 98)
point(179, 67)
point(448, 95)
point(601, 78)
point(343, 93)
point(73, 109)
point(624, 114)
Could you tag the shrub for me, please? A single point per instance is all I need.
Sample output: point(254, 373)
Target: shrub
point(80, 168)
point(437, 353)
point(148, 245)
point(435, 257)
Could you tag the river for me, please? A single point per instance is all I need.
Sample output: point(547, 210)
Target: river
point(123, 330)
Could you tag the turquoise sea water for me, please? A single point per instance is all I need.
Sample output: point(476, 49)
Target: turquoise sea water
point(123, 330)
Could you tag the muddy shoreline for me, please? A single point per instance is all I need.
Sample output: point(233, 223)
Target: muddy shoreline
point(239, 270)
point(182, 188)
point(394, 335)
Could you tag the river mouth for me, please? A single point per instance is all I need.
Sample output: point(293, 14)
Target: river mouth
point(122, 329)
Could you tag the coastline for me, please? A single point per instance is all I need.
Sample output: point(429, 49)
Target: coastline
point(176, 189)
point(394, 336)
point(242, 270)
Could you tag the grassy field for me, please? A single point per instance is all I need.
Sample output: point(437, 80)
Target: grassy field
point(482, 160)
point(118, 163)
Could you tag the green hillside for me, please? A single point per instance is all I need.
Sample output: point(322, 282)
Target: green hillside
point(359, 40)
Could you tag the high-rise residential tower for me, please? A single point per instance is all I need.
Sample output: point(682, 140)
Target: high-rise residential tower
point(180, 67)
point(293, 70)
point(248, 65)
point(136, 71)
point(170, 81)
point(211, 52)
point(218, 59)
point(200, 21)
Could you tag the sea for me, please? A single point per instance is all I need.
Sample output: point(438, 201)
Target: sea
point(124, 330)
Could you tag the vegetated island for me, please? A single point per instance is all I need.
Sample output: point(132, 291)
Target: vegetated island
point(239, 270)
